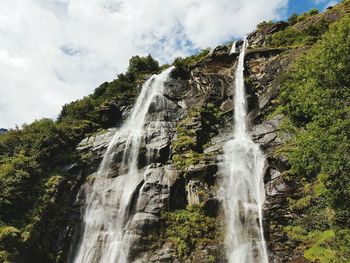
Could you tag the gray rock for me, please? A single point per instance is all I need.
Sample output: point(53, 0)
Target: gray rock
point(97, 143)
point(267, 133)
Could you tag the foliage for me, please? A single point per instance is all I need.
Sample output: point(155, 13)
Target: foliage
point(9, 241)
point(28, 157)
point(292, 36)
point(141, 65)
point(322, 246)
point(16, 176)
point(193, 134)
point(264, 24)
point(189, 229)
point(293, 19)
point(315, 242)
point(315, 98)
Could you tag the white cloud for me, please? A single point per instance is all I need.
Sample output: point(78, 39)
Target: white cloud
point(55, 51)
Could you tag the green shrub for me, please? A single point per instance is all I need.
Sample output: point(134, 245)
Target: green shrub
point(9, 237)
point(141, 65)
point(189, 229)
point(193, 134)
point(293, 19)
point(264, 24)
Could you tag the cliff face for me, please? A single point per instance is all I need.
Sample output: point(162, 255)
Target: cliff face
point(177, 215)
point(181, 183)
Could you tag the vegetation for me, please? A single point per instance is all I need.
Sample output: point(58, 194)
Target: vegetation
point(193, 134)
point(293, 36)
point(315, 98)
point(190, 229)
point(294, 18)
point(264, 24)
point(31, 161)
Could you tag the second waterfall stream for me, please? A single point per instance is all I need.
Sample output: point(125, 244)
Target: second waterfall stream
point(104, 238)
point(242, 189)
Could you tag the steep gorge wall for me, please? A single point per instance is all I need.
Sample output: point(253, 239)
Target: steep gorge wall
point(180, 187)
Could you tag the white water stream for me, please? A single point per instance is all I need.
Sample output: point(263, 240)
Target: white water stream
point(242, 190)
point(107, 204)
point(233, 48)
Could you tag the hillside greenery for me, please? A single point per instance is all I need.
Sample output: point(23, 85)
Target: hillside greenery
point(315, 98)
point(304, 29)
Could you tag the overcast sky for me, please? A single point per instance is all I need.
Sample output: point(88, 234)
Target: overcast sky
point(56, 51)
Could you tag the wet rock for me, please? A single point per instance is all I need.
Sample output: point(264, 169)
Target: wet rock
point(163, 187)
point(218, 141)
point(221, 54)
point(278, 187)
point(159, 192)
point(198, 192)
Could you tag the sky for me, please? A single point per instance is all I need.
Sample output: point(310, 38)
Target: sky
point(56, 51)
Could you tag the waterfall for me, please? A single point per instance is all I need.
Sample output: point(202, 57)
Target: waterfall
point(233, 48)
point(104, 237)
point(242, 189)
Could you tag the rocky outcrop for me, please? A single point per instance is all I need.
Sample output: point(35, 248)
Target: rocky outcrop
point(258, 38)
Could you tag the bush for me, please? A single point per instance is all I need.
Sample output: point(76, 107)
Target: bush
point(141, 65)
point(190, 228)
point(193, 134)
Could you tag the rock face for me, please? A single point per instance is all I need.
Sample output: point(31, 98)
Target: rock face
point(169, 185)
point(2, 130)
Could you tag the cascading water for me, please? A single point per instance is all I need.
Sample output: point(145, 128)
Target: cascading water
point(243, 187)
point(104, 238)
point(233, 48)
